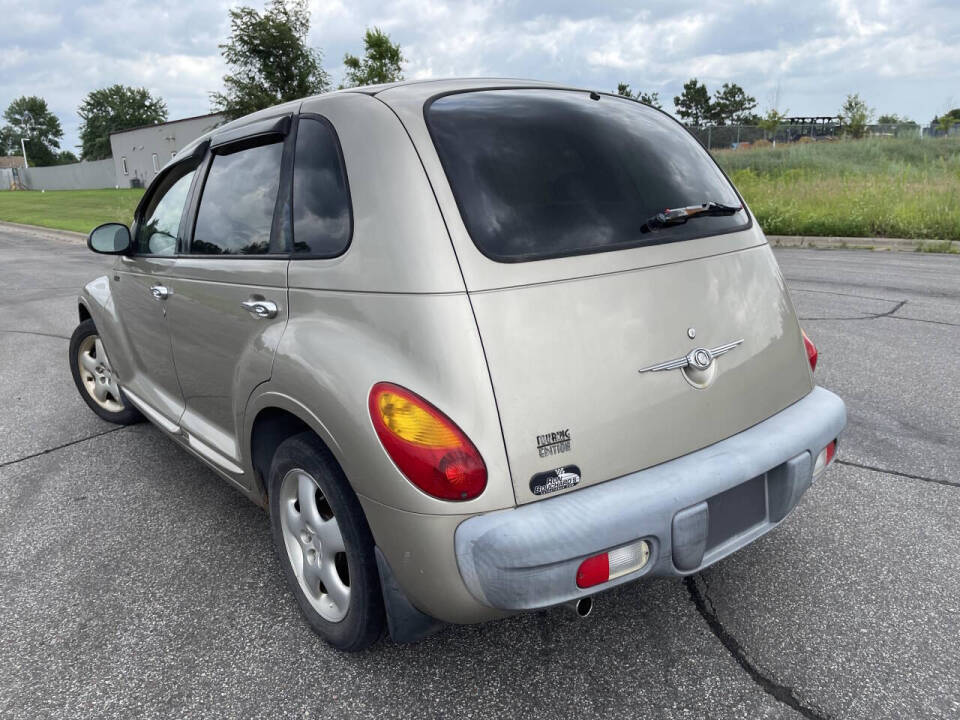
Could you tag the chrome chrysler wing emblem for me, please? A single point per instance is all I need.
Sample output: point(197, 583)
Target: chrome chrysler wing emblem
point(698, 358)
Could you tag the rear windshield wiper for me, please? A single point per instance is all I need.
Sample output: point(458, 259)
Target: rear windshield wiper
point(678, 216)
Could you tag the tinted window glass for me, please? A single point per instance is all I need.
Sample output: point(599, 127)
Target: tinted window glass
point(321, 204)
point(544, 173)
point(157, 234)
point(236, 207)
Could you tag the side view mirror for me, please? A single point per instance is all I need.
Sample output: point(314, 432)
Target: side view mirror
point(110, 239)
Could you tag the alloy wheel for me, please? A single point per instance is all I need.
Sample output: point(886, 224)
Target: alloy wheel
point(97, 374)
point(314, 545)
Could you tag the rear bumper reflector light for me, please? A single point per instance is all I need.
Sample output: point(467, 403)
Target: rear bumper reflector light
point(824, 459)
point(613, 563)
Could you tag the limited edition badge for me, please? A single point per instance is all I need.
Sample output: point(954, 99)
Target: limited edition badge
point(553, 443)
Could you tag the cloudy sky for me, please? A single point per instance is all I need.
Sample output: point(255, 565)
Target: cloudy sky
point(902, 56)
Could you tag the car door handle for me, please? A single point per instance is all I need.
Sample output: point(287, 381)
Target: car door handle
point(160, 292)
point(262, 309)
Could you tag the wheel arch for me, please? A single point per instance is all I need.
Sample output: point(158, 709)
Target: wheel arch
point(274, 417)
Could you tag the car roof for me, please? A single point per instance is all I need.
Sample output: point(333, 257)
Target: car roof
point(445, 85)
point(398, 92)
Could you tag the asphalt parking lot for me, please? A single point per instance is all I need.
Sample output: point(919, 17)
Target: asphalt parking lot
point(134, 583)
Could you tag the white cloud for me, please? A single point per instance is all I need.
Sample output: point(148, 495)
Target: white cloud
point(903, 56)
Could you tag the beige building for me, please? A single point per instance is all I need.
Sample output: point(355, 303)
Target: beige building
point(11, 161)
point(140, 153)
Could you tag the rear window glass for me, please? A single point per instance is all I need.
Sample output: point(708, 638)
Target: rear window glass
point(548, 173)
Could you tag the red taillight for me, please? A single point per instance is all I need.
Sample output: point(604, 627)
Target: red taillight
point(593, 571)
point(811, 350)
point(426, 445)
point(831, 451)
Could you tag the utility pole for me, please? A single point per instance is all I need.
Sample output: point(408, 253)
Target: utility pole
point(23, 147)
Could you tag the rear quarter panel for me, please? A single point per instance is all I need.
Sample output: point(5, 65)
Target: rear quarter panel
point(392, 307)
point(337, 345)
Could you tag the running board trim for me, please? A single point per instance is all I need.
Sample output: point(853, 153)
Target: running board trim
point(152, 415)
point(198, 446)
point(208, 453)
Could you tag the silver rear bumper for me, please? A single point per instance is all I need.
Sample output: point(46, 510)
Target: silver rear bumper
point(527, 557)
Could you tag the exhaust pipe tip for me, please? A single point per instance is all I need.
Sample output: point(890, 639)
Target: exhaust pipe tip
point(584, 607)
point(581, 607)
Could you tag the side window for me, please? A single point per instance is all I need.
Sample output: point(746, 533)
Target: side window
point(321, 201)
point(236, 207)
point(157, 233)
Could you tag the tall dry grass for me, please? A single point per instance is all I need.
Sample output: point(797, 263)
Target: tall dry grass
point(877, 187)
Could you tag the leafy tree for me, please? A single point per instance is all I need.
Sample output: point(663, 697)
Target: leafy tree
point(946, 121)
point(7, 140)
point(30, 118)
point(114, 108)
point(731, 105)
point(693, 104)
point(270, 60)
point(856, 115)
point(652, 99)
point(380, 62)
point(771, 122)
point(65, 157)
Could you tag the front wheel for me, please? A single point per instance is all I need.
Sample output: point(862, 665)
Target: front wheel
point(324, 544)
point(94, 377)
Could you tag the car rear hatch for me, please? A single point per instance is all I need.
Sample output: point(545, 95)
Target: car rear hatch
point(578, 297)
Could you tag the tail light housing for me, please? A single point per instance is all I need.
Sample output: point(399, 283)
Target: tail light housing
point(811, 350)
point(427, 446)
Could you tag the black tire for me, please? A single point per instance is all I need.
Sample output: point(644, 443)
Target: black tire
point(364, 622)
point(128, 414)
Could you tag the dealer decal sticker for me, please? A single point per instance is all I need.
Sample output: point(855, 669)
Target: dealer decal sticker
point(553, 480)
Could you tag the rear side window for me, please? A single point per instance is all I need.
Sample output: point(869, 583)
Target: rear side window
point(548, 173)
point(236, 207)
point(321, 201)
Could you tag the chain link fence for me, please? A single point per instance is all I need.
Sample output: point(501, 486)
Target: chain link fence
point(719, 137)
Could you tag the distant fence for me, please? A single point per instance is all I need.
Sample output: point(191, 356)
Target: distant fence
point(733, 136)
point(77, 176)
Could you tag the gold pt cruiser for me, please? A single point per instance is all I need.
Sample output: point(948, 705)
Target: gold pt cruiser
point(480, 346)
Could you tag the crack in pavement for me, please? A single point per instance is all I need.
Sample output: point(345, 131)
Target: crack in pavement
point(897, 473)
point(783, 693)
point(924, 320)
point(841, 294)
point(60, 447)
point(34, 332)
point(888, 313)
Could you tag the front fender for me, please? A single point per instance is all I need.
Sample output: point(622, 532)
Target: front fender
point(96, 298)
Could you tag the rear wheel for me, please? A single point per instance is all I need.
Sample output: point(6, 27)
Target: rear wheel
point(95, 379)
point(324, 544)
